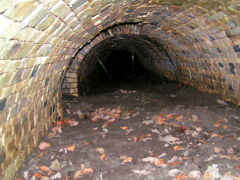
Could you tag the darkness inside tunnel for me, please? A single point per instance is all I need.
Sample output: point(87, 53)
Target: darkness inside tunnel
point(119, 62)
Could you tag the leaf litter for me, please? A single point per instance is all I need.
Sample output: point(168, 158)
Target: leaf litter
point(173, 142)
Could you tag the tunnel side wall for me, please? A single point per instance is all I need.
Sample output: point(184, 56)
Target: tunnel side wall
point(39, 38)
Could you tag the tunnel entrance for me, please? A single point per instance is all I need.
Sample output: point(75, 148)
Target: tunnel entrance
point(123, 60)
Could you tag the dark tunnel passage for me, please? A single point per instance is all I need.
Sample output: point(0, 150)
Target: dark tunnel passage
point(123, 60)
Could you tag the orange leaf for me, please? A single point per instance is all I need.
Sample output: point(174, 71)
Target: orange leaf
point(148, 135)
point(107, 123)
point(124, 127)
point(169, 116)
point(37, 175)
point(216, 135)
point(176, 148)
point(44, 168)
point(238, 167)
point(86, 143)
point(186, 157)
point(18, 179)
point(139, 138)
point(174, 163)
point(158, 162)
point(68, 120)
point(179, 117)
point(126, 159)
point(82, 172)
point(71, 148)
point(43, 145)
point(103, 156)
point(180, 177)
point(59, 123)
point(159, 119)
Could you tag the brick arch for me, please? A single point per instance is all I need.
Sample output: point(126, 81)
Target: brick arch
point(39, 38)
point(112, 34)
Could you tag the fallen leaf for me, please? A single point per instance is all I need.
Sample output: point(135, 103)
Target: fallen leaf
point(103, 156)
point(43, 145)
point(148, 135)
point(125, 159)
point(71, 122)
point(179, 117)
point(139, 138)
point(174, 172)
point(44, 168)
point(68, 120)
point(74, 123)
point(194, 174)
point(158, 162)
point(222, 102)
point(159, 119)
point(25, 174)
point(155, 131)
point(145, 139)
point(96, 128)
point(218, 150)
point(135, 114)
point(213, 171)
point(86, 143)
point(216, 135)
point(141, 172)
point(71, 148)
point(124, 127)
point(100, 150)
point(50, 172)
point(169, 116)
point(217, 124)
point(238, 167)
point(18, 179)
point(37, 175)
point(173, 163)
point(147, 122)
point(56, 176)
point(55, 165)
point(180, 177)
point(59, 123)
point(44, 178)
point(176, 148)
point(82, 172)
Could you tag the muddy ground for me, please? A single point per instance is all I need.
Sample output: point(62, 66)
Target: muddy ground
point(141, 131)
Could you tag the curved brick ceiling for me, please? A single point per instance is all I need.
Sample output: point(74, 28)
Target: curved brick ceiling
point(39, 38)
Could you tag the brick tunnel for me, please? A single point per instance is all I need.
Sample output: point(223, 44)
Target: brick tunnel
point(50, 47)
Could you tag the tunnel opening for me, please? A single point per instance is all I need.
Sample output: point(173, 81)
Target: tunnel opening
point(124, 61)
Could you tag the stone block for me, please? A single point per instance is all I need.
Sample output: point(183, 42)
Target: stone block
point(36, 16)
point(9, 28)
point(61, 9)
point(75, 4)
point(21, 9)
point(45, 22)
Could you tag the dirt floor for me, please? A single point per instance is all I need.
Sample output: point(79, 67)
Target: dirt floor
point(141, 131)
